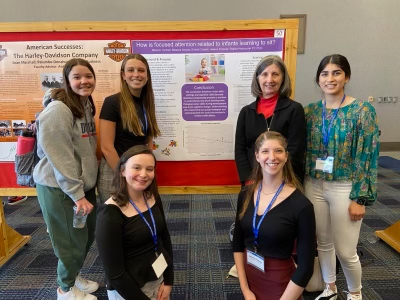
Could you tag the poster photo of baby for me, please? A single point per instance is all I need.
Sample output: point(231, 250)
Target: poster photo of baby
point(205, 67)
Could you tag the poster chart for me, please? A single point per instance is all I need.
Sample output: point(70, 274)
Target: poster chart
point(199, 86)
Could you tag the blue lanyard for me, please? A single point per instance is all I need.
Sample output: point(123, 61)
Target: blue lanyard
point(326, 133)
point(256, 229)
point(154, 230)
point(145, 120)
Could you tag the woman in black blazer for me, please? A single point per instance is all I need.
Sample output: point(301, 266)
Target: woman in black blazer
point(272, 110)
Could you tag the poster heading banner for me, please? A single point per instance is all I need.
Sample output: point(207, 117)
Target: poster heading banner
point(207, 46)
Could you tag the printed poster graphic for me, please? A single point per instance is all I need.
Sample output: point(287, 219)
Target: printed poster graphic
point(29, 69)
point(3, 53)
point(199, 86)
point(117, 51)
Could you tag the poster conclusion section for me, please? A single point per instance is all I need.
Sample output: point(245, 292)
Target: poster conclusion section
point(199, 85)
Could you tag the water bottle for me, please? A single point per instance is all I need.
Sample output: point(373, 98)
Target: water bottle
point(25, 142)
point(79, 219)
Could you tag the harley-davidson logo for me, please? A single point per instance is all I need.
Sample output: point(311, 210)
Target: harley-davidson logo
point(3, 53)
point(117, 51)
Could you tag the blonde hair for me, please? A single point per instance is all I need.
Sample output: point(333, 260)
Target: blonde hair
point(256, 176)
point(129, 116)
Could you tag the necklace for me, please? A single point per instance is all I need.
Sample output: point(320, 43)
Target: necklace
point(262, 190)
point(269, 125)
point(267, 193)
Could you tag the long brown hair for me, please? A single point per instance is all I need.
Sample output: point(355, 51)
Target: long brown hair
point(129, 116)
point(120, 190)
point(67, 95)
point(257, 176)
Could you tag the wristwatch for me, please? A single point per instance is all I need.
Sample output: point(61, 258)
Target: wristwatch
point(361, 200)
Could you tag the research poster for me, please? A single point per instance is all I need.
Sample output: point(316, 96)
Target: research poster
point(199, 86)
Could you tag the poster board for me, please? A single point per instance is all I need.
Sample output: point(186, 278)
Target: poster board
point(194, 174)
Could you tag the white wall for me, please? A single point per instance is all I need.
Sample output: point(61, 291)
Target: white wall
point(367, 32)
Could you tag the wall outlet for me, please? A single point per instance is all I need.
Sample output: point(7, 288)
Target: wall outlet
point(370, 99)
point(380, 99)
point(395, 99)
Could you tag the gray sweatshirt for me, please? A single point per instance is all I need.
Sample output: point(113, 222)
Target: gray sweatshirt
point(66, 149)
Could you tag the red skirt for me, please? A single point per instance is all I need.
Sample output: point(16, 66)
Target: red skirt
point(271, 284)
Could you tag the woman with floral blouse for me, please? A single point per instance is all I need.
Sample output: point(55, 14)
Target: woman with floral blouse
point(341, 172)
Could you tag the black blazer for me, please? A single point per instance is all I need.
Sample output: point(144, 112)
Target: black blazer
point(288, 120)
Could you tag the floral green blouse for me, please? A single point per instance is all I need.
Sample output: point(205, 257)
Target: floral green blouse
point(353, 142)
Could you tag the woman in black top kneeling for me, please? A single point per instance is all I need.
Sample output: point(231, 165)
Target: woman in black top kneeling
point(132, 236)
point(272, 213)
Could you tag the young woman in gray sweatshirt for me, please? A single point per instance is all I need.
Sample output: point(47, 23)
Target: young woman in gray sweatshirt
point(66, 174)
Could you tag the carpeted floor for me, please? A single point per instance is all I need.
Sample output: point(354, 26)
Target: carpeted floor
point(199, 227)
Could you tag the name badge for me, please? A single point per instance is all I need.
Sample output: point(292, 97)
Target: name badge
point(159, 265)
point(319, 164)
point(255, 260)
point(328, 167)
point(325, 165)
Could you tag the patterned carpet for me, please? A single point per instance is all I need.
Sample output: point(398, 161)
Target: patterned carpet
point(199, 227)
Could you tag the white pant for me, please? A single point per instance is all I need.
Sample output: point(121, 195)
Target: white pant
point(150, 289)
point(335, 231)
